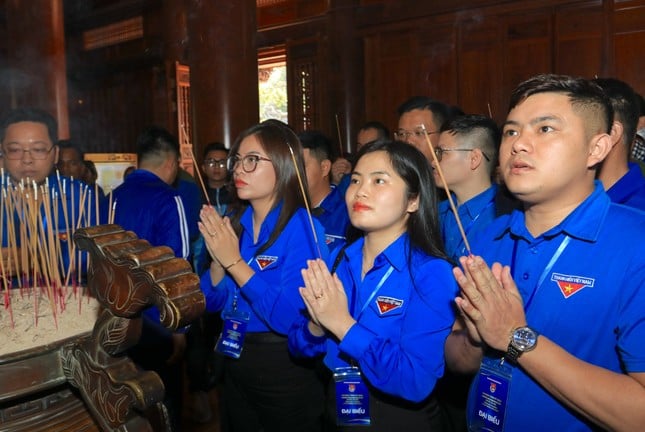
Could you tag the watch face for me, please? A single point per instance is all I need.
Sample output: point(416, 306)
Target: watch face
point(524, 338)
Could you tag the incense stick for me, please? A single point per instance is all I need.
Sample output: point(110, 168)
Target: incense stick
point(445, 186)
point(340, 140)
point(304, 196)
point(199, 176)
point(192, 156)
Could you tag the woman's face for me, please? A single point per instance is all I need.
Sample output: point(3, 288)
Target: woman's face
point(377, 197)
point(253, 174)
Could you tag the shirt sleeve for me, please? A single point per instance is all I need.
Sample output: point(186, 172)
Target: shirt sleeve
point(215, 295)
point(409, 366)
point(631, 326)
point(172, 229)
point(279, 304)
point(302, 343)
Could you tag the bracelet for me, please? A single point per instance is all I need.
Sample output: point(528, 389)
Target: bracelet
point(233, 263)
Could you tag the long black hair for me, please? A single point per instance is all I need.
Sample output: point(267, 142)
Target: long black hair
point(278, 140)
point(412, 166)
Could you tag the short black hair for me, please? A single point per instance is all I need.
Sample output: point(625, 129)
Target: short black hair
point(479, 132)
point(30, 114)
point(583, 94)
point(382, 130)
point(440, 111)
point(318, 144)
point(155, 141)
point(214, 146)
point(625, 103)
point(69, 144)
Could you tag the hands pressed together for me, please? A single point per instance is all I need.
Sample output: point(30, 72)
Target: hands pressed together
point(221, 241)
point(325, 299)
point(490, 303)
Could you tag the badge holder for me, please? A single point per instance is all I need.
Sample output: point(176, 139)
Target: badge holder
point(487, 405)
point(352, 398)
point(231, 339)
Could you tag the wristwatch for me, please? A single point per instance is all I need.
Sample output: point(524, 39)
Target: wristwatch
point(523, 339)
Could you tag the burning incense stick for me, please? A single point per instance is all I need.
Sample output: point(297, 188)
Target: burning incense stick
point(445, 186)
point(304, 196)
point(340, 140)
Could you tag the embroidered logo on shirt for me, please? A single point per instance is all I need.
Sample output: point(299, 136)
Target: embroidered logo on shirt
point(387, 304)
point(570, 284)
point(265, 261)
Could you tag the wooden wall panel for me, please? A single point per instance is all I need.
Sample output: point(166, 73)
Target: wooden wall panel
point(479, 65)
point(629, 43)
point(526, 52)
point(389, 60)
point(437, 63)
point(579, 41)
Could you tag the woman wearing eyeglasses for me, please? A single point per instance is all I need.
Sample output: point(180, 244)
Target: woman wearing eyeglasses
point(258, 251)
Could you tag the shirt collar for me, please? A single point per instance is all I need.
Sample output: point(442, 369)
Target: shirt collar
point(268, 224)
point(395, 254)
point(478, 203)
point(583, 222)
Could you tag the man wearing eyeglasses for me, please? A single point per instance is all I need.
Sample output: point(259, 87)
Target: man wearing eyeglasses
point(420, 115)
point(29, 155)
point(467, 154)
point(147, 204)
point(214, 168)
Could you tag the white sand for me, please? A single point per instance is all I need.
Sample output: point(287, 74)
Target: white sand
point(78, 317)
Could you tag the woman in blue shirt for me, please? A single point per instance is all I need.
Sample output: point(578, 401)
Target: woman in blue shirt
point(382, 318)
point(258, 251)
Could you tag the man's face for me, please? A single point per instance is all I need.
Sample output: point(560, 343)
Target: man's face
point(365, 136)
point(317, 172)
point(70, 163)
point(411, 126)
point(214, 165)
point(455, 161)
point(28, 152)
point(545, 155)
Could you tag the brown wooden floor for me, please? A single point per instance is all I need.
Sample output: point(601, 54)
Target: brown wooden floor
point(189, 425)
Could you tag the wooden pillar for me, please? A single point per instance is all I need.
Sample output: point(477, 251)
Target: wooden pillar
point(37, 57)
point(347, 70)
point(222, 56)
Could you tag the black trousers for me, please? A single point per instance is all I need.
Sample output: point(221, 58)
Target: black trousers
point(268, 390)
point(388, 413)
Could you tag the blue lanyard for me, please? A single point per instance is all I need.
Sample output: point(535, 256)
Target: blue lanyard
point(378, 287)
point(563, 245)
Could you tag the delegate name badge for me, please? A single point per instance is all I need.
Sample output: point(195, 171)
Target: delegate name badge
point(231, 339)
point(487, 405)
point(352, 398)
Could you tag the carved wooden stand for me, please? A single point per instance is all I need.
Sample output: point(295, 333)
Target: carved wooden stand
point(126, 275)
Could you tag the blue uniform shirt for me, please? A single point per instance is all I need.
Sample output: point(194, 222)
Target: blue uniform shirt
point(630, 188)
point(591, 302)
point(475, 214)
point(334, 217)
point(70, 195)
point(271, 295)
point(399, 336)
point(152, 209)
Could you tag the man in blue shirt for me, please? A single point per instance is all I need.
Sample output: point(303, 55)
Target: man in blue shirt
point(148, 205)
point(623, 180)
point(557, 322)
point(28, 138)
point(467, 155)
point(328, 204)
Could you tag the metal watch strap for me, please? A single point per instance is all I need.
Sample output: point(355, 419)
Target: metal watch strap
point(512, 353)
